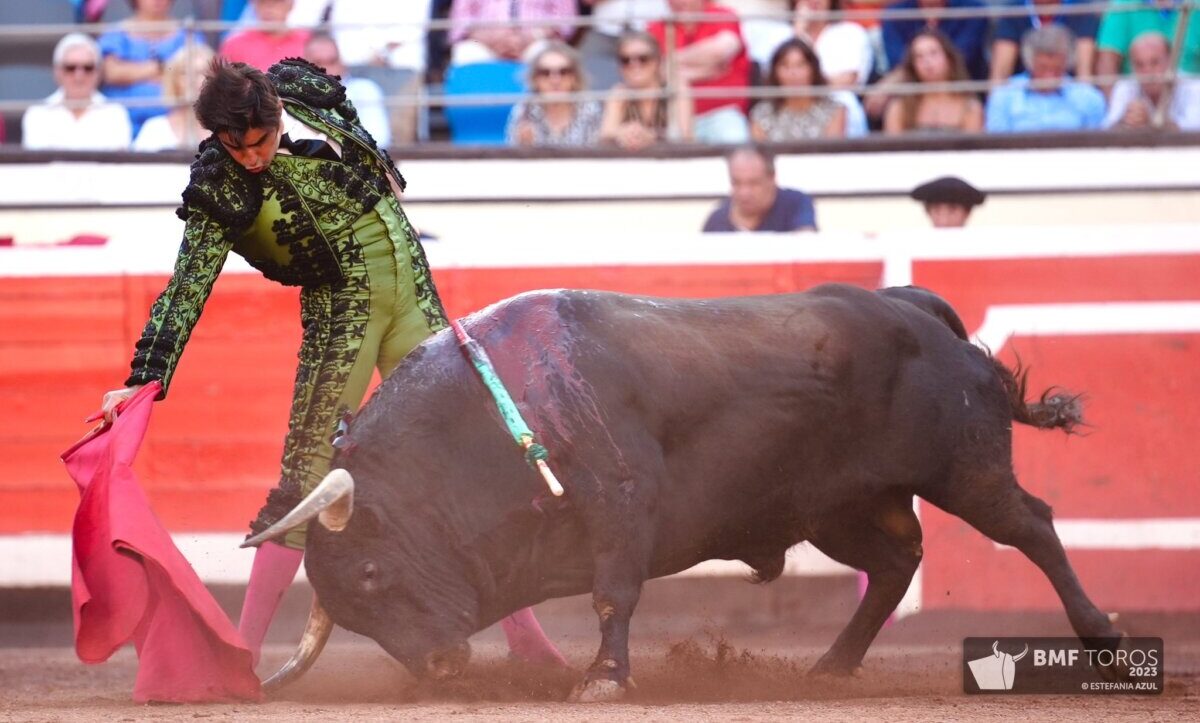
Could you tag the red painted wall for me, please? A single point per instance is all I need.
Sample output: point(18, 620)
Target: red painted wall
point(213, 449)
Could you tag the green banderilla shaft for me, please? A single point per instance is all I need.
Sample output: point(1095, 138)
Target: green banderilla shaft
point(535, 453)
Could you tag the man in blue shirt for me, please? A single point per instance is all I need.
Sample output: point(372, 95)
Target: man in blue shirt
point(1006, 41)
point(1045, 99)
point(969, 35)
point(756, 202)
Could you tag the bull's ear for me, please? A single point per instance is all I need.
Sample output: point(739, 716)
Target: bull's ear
point(366, 521)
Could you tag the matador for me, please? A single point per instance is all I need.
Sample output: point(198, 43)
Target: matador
point(291, 181)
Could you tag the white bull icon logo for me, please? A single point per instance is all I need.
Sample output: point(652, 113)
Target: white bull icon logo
point(996, 671)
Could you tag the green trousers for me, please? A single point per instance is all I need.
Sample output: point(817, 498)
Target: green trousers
point(369, 321)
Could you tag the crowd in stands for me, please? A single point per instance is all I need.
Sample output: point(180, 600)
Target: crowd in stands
point(762, 70)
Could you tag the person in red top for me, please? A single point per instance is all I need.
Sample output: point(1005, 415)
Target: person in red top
point(264, 47)
point(710, 54)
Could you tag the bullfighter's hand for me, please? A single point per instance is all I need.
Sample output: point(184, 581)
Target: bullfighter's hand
point(114, 399)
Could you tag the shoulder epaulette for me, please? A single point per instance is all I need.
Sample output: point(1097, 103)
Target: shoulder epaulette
point(221, 188)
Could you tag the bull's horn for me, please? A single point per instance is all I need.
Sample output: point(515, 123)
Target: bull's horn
point(332, 503)
point(316, 632)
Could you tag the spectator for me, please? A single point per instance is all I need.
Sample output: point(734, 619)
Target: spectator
point(969, 35)
point(382, 35)
point(711, 54)
point(1135, 101)
point(612, 19)
point(476, 40)
point(1006, 43)
point(178, 127)
point(76, 117)
point(756, 202)
point(365, 95)
point(635, 123)
point(843, 47)
point(136, 55)
point(932, 59)
point(270, 41)
point(948, 201)
point(385, 43)
point(797, 117)
point(1045, 99)
point(764, 25)
point(1120, 26)
point(551, 118)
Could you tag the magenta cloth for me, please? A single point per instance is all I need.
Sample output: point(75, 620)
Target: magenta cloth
point(130, 583)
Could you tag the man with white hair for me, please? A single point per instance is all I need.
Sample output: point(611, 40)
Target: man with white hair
point(76, 116)
point(1045, 98)
point(1135, 101)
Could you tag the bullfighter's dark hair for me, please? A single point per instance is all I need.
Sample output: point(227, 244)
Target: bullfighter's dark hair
point(767, 157)
point(236, 97)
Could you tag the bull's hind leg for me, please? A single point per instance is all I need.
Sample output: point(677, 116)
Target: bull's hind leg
point(992, 502)
point(885, 542)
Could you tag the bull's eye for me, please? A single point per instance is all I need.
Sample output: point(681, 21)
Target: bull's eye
point(369, 575)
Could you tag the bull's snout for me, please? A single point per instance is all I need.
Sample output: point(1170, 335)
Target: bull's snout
point(448, 663)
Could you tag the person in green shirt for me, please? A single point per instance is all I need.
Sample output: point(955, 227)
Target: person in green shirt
point(292, 182)
point(1121, 25)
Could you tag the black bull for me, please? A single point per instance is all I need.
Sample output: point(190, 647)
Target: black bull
point(683, 431)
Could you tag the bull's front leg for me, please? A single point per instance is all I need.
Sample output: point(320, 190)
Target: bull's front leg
point(615, 594)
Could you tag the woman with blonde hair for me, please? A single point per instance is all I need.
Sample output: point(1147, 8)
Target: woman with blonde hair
point(932, 59)
point(551, 117)
point(178, 127)
point(634, 123)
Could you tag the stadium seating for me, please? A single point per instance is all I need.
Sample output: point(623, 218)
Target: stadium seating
point(481, 124)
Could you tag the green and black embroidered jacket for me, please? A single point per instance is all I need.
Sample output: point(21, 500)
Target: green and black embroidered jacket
point(287, 221)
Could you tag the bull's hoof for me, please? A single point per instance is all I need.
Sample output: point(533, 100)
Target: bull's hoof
point(598, 690)
point(1115, 672)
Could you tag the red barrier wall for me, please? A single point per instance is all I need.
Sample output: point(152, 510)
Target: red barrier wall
point(213, 449)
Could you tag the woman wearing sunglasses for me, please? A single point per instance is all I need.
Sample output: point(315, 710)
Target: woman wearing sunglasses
point(76, 116)
point(632, 122)
point(552, 117)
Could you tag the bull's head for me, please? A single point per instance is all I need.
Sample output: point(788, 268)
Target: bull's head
point(352, 564)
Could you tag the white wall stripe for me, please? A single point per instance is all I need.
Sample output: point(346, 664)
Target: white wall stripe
point(133, 252)
point(600, 179)
point(1155, 534)
point(36, 560)
point(1002, 322)
point(44, 560)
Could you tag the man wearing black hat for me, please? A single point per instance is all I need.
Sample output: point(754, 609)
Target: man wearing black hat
point(948, 200)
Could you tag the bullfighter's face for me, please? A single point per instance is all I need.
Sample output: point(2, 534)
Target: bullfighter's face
point(255, 149)
point(371, 580)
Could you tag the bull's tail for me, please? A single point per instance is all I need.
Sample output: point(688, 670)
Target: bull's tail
point(1055, 409)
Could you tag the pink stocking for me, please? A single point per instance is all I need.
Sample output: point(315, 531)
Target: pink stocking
point(528, 642)
point(274, 568)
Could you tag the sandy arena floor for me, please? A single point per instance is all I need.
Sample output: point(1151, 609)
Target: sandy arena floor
point(699, 678)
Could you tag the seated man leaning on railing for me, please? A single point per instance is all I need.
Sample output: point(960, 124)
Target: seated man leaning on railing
point(1046, 99)
point(1149, 100)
